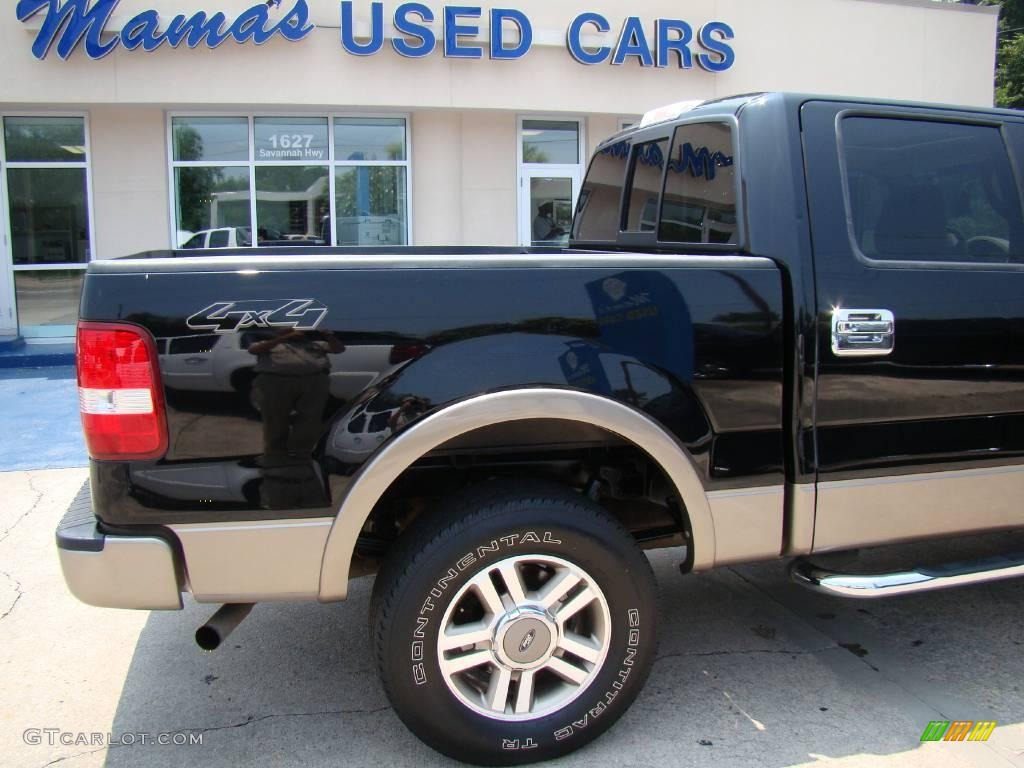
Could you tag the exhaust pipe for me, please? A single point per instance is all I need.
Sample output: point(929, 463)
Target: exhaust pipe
point(217, 628)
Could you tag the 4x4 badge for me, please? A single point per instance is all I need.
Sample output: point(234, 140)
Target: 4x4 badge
point(231, 316)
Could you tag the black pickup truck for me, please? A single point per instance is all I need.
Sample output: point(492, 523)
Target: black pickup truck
point(785, 326)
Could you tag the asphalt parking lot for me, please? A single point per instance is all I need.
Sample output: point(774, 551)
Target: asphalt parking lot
point(751, 671)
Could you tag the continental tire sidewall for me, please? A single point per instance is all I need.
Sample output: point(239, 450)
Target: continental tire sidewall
point(410, 667)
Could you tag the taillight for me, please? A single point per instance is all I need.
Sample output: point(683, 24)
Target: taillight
point(119, 392)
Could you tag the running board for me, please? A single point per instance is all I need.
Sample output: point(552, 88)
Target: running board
point(960, 574)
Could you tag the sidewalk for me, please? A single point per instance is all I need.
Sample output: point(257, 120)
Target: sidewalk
point(39, 426)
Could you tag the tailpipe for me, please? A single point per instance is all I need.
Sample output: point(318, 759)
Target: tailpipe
point(217, 628)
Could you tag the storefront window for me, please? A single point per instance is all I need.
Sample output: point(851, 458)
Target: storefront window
point(551, 141)
point(371, 205)
point(211, 139)
point(291, 138)
point(48, 300)
point(281, 187)
point(44, 139)
point(45, 167)
point(49, 223)
point(292, 205)
point(211, 197)
point(369, 138)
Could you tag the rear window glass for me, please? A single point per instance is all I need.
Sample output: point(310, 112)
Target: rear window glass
point(597, 212)
point(923, 190)
point(699, 203)
point(645, 183)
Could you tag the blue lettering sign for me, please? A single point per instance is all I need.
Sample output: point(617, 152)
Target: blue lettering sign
point(498, 49)
point(418, 31)
point(572, 39)
point(666, 45)
point(724, 56)
point(195, 30)
point(453, 31)
point(348, 32)
point(77, 20)
point(67, 24)
point(633, 42)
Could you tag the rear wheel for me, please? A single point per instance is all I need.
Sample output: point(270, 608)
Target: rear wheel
point(515, 625)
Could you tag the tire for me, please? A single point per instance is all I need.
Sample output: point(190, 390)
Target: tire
point(550, 664)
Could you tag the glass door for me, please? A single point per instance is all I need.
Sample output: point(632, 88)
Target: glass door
point(550, 171)
point(547, 201)
point(48, 227)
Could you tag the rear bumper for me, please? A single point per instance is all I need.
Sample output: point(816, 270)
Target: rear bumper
point(115, 571)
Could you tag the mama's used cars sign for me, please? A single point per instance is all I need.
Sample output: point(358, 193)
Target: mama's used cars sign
point(68, 24)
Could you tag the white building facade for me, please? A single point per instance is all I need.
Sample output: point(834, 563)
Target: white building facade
point(134, 125)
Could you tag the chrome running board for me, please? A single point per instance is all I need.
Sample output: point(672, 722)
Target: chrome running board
point(962, 574)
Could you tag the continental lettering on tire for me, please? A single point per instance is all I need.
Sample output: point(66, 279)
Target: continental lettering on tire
point(516, 745)
point(628, 661)
point(480, 553)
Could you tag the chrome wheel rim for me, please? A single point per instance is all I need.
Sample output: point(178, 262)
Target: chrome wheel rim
point(524, 637)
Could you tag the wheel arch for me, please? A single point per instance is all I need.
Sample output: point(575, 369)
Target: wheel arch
point(394, 457)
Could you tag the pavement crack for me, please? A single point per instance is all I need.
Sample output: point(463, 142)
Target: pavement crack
point(784, 651)
point(39, 497)
point(18, 593)
point(72, 757)
point(252, 719)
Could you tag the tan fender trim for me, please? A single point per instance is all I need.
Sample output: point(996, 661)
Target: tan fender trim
point(374, 478)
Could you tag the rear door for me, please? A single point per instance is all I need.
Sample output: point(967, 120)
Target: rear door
point(919, 255)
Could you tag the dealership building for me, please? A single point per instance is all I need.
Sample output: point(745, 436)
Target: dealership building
point(134, 125)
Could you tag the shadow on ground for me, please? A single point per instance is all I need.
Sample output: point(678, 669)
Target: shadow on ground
point(751, 671)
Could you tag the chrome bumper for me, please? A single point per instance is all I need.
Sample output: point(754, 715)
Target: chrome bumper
point(115, 571)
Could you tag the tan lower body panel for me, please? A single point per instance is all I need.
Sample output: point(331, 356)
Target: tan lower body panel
point(748, 523)
point(800, 503)
point(129, 572)
point(854, 513)
point(255, 561)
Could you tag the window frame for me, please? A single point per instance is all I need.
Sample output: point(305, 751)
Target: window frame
point(252, 163)
point(6, 165)
point(581, 155)
point(523, 169)
point(927, 117)
point(9, 298)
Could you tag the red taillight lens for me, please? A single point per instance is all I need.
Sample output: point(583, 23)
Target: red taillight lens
point(119, 392)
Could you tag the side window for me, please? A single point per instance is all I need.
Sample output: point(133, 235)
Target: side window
point(699, 204)
point(597, 212)
point(922, 190)
point(644, 185)
point(219, 238)
point(198, 241)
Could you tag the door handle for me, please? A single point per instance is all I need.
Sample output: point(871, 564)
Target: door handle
point(862, 332)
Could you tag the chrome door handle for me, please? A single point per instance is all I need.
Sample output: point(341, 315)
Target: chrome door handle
point(862, 332)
